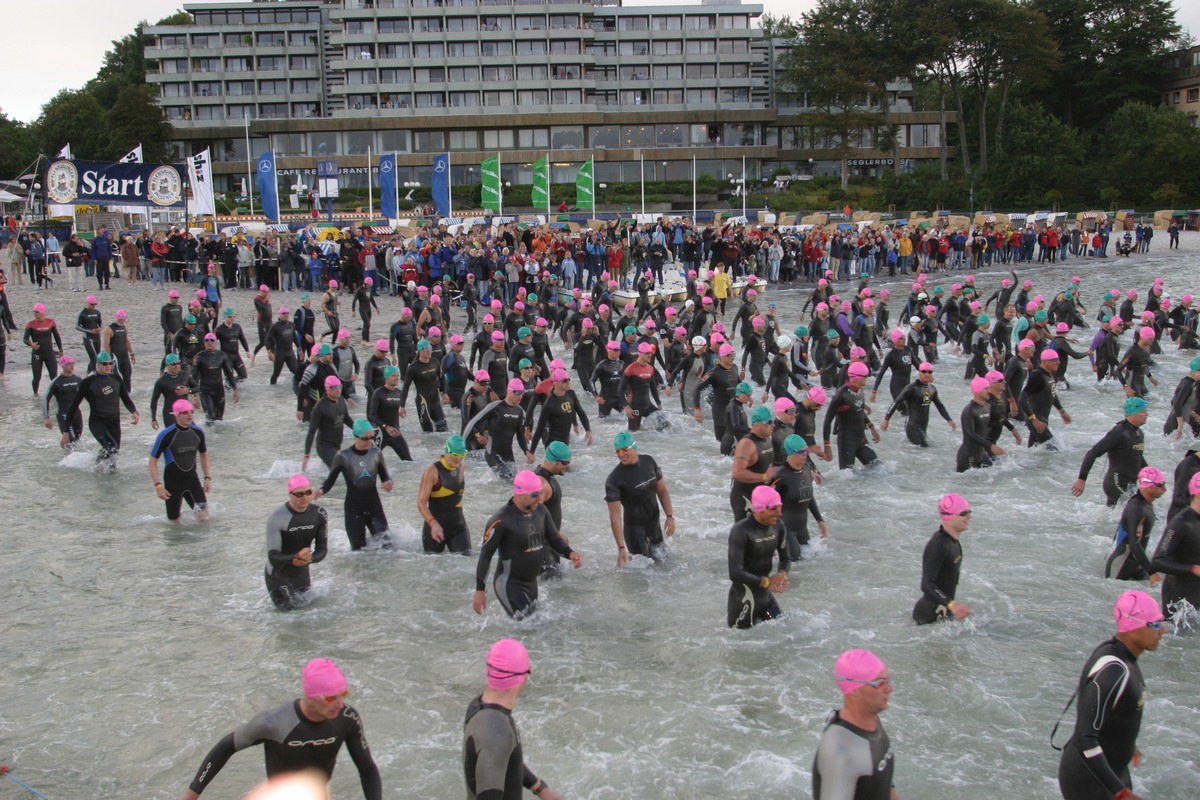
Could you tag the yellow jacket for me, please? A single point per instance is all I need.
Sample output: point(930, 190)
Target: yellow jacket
point(720, 285)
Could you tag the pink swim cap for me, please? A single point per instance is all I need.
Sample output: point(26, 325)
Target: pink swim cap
point(1187, 298)
point(262, 287)
point(488, 318)
point(751, 293)
point(172, 293)
point(764, 497)
point(1005, 283)
point(726, 350)
point(651, 325)
point(1147, 316)
point(930, 309)
point(645, 348)
point(456, 339)
point(1075, 279)
point(916, 287)
point(483, 375)
point(1062, 327)
point(39, 308)
point(334, 285)
point(1021, 345)
point(670, 312)
point(604, 307)
point(857, 352)
point(1149, 476)
point(298, 481)
point(518, 306)
point(784, 405)
point(1134, 609)
point(957, 287)
point(680, 331)
point(283, 310)
point(854, 668)
point(979, 384)
point(497, 336)
point(845, 305)
point(1132, 294)
point(434, 330)
point(884, 294)
point(381, 344)
point(180, 406)
point(976, 305)
point(1194, 484)
point(333, 382)
point(507, 661)
point(858, 370)
point(716, 338)
point(322, 678)
point(818, 396)
point(560, 375)
point(66, 358)
point(316, 350)
point(1031, 307)
point(822, 306)
point(868, 304)
point(995, 376)
point(952, 505)
point(540, 321)
point(866, 292)
point(925, 366)
point(497, 304)
point(526, 482)
point(344, 333)
point(210, 337)
point(405, 312)
point(629, 306)
point(613, 346)
point(121, 314)
point(1146, 333)
point(587, 323)
point(516, 385)
point(1028, 284)
point(1049, 355)
point(897, 335)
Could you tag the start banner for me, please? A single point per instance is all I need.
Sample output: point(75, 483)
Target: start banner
point(114, 183)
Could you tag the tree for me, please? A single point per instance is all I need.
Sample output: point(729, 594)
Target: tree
point(124, 65)
point(17, 148)
point(1142, 148)
point(135, 118)
point(1042, 154)
point(75, 118)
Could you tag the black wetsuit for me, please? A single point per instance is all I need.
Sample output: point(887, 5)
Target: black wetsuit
point(976, 448)
point(88, 321)
point(799, 501)
point(739, 491)
point(1125, 446)
point(852, 763)
point(1095, 760)
point(279, 341)
point(43, 333)
point(916, 399)
point(635, 487)
point(1177, 552)
point(639, 385)
point(118, 345)
point(492, 759)
point(180, 449)
point(847, 406)
point(1136, 362)
point(752, 549)
point(213, 370)
point(1035, 401)
point(104, 394)
point(519, 537)
point(402, 342)
point(940, 565)
point(737, 426)
point(1184, 403)
point(446, 505)
point(63, 389)
point(899, 362)
point(166, 388)
point(502, 423)
point(559, 414)
point(1129, 560)
point(723, 382)
point(325, 426)
point(228, 338)
point(553, 504)
point(606, 379)
point(293, 743)
point(364, 470)
point(383, 409)
point(1188, 466)
point(365, 304)
point(426, 377)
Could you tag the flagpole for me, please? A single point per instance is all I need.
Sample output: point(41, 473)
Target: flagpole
point(249, 161)
point(744, 188)
point(549, 183)
point(642, 163)
point(396, 183)
point(449, 188)
point(499, 185)
point(370, 188)
point(693, 188)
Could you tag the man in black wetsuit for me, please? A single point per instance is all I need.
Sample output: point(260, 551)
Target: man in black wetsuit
point(63, 390)
point(181, 444)
point(493, 763)
point(305, 734)
point(329, 415)
point(1125, 447)
point(753, 458)
point(1037, 398)
point(502, 421)
point(383, 410)
point(854, 759)
point(561, 411)
point(425, 375)
point(363, 466)
point(229, 336)
point(633, 491)
point(1129, 559)
point(915, 399)
point(723, 377)
point(440, 501)
point(847, 407)
point(753, 542)
point(1112, 693)
point(553, 466)
point(280, 343)
point(794, 481)
point(213, 370)
point(1178, 557)
point(90, 324)
point(977, 450)
point(105, 394)
point(519, 531)
point(940, 565)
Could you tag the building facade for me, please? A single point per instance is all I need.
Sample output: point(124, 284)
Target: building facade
point(642, 89)
point(1182, 91)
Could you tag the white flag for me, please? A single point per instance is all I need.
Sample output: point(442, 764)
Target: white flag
point(200, 176)
point(134, 156)
point(65, 152)
point(55, 209)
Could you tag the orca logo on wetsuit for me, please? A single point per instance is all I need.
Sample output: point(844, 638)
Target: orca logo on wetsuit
point(313, 742)
point(106, 390)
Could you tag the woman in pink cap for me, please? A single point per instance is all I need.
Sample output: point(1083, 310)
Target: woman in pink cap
point(41, 337)
point(854, 759)
point(1112, 694)
point(301, 736)
point(941, 563)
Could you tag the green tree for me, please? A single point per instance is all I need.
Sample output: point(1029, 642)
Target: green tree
point(17, 146)
point(1111, 53)
point(124, 65)
point(74, 117)
point(1141, 148)
point(135, 118)
point(1042, 154)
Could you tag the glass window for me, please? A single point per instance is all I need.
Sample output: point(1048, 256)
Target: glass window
point(671, 23)
point(237, 65)
point(526, 22)
point(496, 48)
point(240, 88)
point(668, 48)
point(462, 49)
point(633, 24)
point(429, 141)
point(565, 47)
point(668, 72)
point(393, 26)
point(668, 96)
point(177, 113)
point(176, 90)
point(735, 70)
point(671, 135)
point(498, 73)
point(429, 50)
point(273, 111)
point(427, 25)
point(497, 23)
point(635, 97)
point(526, 48)
point(272, 87)
point(395, 75)
point(533, 137)
point(737, 133)
point(498, 140)
point(304, 110)
point(601, 49)
point(360, 26)
point(734, 46)
point(357, 142)
point(360, 101)
point(305, 86)
point(565, 96)
point(242, 112)
point(462, 74)
point(637, 136)
point(605, 136)
point(301, 39)
point(499, 99)
point(528, 72)
point(393, 141)
point(359, 77)
point(271, 39)
point(323, 143)
point(172, 41)
point(393, 51)
point(734, 96)
point(208, 89)
point(701, 95)
point(633, 48)
point(429, 99)
point(465, 140)
point(735, 22)
point(601, 97)
point(699, 22)
point(208, 112)
point(560, 22)
point(456, 24)
point(303, 62)
point(701, 47)
point(270, 63)
point(566, 137)
point(429, 74)
point(173, 66)
point(288, 144)
point(206, 65)
point(205, 40)
point(237, 39)
point(701, 70)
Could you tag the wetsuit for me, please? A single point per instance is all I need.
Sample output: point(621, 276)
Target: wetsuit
point(752, 548)
point(280, 341)
point(492, 760)
point(455, 376)
point(1125, 446)
point(606, 378)
point(754, 351)
point(737, 426)
point(88, 321)
point(558, 416)
point(502, 423)
point(345, 366)
point(1129, 560)
point(426, 376)
point(899, 361)
point(43, 333)
point(180, 449)
point(1136, 363)
point(1178, 550)
point(1184, 403)
point(916, 399)
point(325, 426)
point(229, 336)
point(519, 537)
point(363, 470)
point(293, 743)
point(446, 505)
point(1095, 760)
point(262, 321)
point(166, 389)
point(1188, 466)
point(799, 501)
point(847, 406)
point(635, 487)
point(118, 345)
point(402, 343)
point(104, 394)
point(739, 491)
point(63, 389)
point(212, 371)
point(852, 763)
point(639, 384)
point(363, 302)
point(383, 409)
point(723, 381)
point(495, 362)
point(187, 343)
point(976, 448)
point(940, 565)
point(1036, 399)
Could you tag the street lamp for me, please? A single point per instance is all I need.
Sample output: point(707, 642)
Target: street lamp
point(603, 193)
point(411, 186)
point(503, 185)
point(739, 185)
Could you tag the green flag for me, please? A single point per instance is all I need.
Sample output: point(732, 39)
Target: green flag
point(541, 184)
point(584, 185)
point(489, 171)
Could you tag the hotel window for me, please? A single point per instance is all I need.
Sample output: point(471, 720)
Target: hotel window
point(924, 136)
point(175, 90)
point(236, 40)
point(206, 65)
point(395, 76)
point(560, 22)
point(633, 48)
point(204, 40)
point(360, 26)
point(701, 47)
point(323, 143)
point(273, 110)
point(601, 97)
point(302, 62)
point(671, 23)
point(465, 140)
point(427, 141)
point(360, 101)
point(429, 99)
point(172, 41)
point(305, 86)
point(531, 48)
point(496, 48)
point(498, 140)
point(601, 49)
point(462, 74)
point(464, 100)
point(304, 110)
point(605, 136)
point(565, 96)
point(462, 49)
point(564, 47)
point(566, 137)
point(497, 23)
point(393, 26)
point(530, 72)
point(668, 48)
point(462, 24)
point(529, 23)
point(209, 112)
point(301, 39)
point(735, 22)
point(637, 136)
point(360, 77)
point(208, 89)
point(393, 51)
point(177, 113)
point(393, 141)
point(498, 99)
point(429, 74)
point(272, 87)
point(1175, 97)
point(701, 95)
point(173, 66)
point(633, 24)
point(237, 65)
point(358, 142)
point(734, 46)
point(430, 50)
point(701, 71)
point(270, 40)
point(735, 70)
point(1193, 95)
point(533, 97)
point(240, 88)
point(533, 137)
point(270, 63)
point(699, 22)
point(668, 72)
point(242, 112)
point(288, 144)
point(668, 96)
point(427, 25)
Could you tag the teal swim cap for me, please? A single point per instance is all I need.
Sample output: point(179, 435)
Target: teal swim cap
point(524, 331)
point(558, 451)
point(832, 334)
point(174, 359)
point(532, 298)
point(362, 427)
point(630, 330)
point(524, 363)
point(1135, 405)
point(761, 416)
point(743, 388)
point(389, 371)
point(190, 319)
point(326, 350)
point(624, 441)
point(228, 312)
point(1194, 365)
point(424, 345)
point(983, 320)
point(801, 332)
point(1040, 316)
point(456, 446)
point(104, 358)
point(795, 444)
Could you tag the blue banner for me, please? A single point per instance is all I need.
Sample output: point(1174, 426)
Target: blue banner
point(441, 184)
point(105, 183)
point(387, 186)
point(268, 192)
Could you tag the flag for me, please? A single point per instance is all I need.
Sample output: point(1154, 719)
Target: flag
point(441, 184)
point(541, 184)
point(489, 171)
point(267, 190)
point(200, 177)
point(65, 152)
point(134, 156)
point(56, 209)
point(585, 186)
point(387, 186)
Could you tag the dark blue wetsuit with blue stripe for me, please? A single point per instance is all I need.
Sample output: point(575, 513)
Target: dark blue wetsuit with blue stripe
point(180, 448)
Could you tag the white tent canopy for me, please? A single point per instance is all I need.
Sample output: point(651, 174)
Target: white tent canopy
point(8, 197)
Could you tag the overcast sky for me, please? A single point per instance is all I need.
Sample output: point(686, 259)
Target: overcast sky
point(40, 67)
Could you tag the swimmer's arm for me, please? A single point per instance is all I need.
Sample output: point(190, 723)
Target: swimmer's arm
point(1165, 559)
point(360, 752)
point(1096, 701)
point(931, 563)
point(737, 561)
point(839, 773)
point(614, 521)
point(491, 540)
point(213, 762)
point(320, 538)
